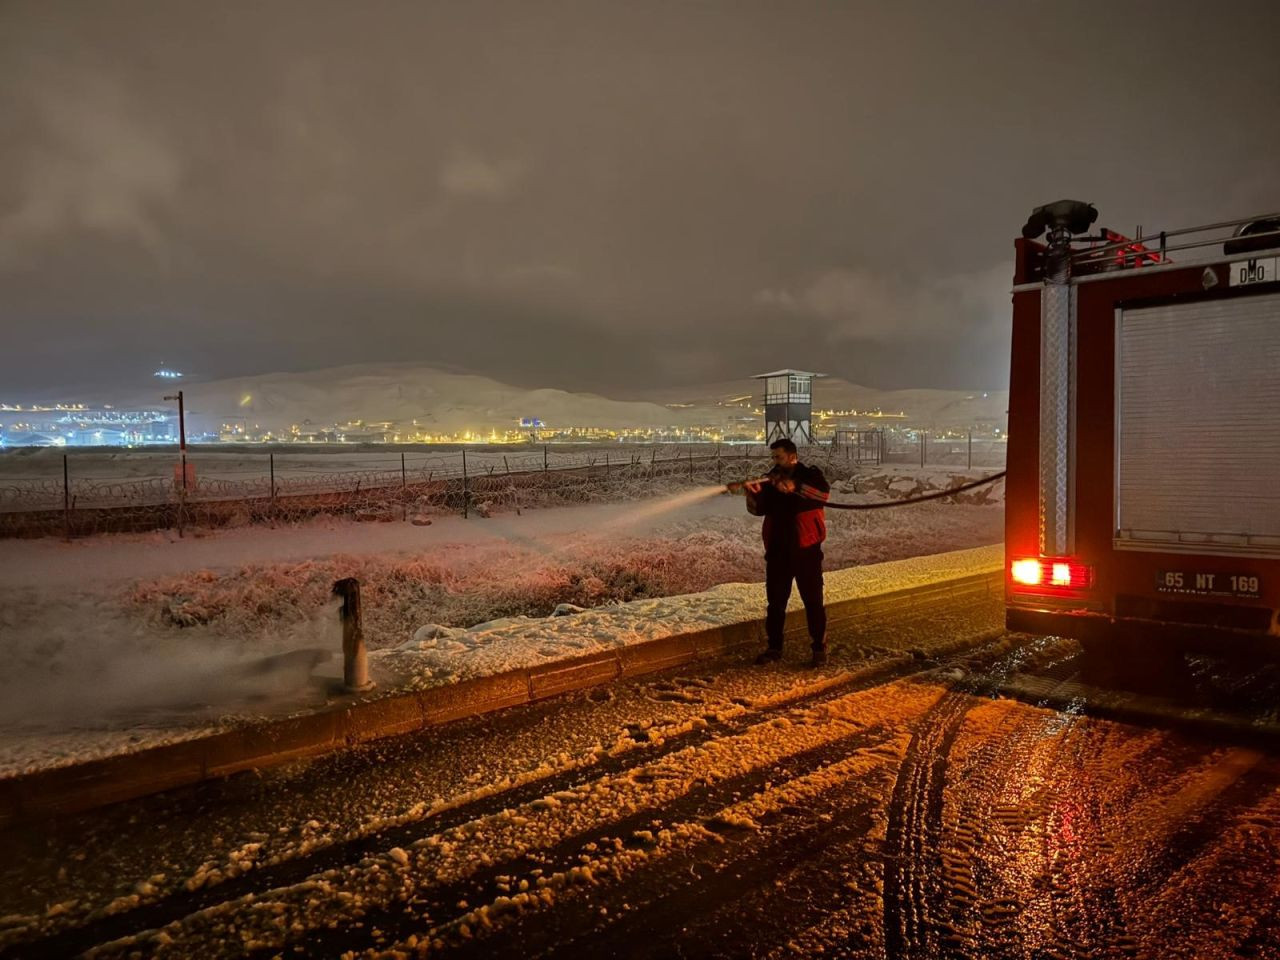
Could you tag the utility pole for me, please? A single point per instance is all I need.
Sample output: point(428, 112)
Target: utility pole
point(182, 451)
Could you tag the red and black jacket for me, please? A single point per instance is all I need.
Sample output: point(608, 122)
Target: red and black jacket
point(793, 520)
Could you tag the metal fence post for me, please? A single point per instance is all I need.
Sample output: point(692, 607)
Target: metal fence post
point(515, 492)
point(691, 464)
point(271, 462)
point(544, 458)
point(971, 448)
point(404, 490)
point(921, 448)
point(465, 490)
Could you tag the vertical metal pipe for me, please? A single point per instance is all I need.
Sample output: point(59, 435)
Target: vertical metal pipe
point(465, 486)
point(355, 658)
point(404, 489)
point(271, 461)
point(1057, 370)
point(971, 448)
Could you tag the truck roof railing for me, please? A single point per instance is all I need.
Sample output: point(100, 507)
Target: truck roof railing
point(1141, 250)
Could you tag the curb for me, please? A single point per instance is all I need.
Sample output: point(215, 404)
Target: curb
point(79, 787)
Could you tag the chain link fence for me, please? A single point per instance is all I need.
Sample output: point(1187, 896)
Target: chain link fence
point(967, 450)
point(86, 493)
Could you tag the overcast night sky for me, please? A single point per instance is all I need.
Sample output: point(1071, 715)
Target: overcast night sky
point(602, 196)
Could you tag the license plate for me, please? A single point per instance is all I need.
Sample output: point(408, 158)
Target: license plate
point(1245, 585)
point(1257, 270)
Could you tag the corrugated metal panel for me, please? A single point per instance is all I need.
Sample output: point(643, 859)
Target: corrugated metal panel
point(1198, 427)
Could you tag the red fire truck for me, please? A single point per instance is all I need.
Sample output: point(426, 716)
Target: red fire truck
point(1143, 489)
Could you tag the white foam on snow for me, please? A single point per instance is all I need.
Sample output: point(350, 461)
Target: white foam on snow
point(92, 671)
point(437, 654)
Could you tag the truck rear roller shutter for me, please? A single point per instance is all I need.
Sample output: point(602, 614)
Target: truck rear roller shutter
point(1198, 427)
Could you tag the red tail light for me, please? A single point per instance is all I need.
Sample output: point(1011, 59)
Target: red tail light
point(1050, 573)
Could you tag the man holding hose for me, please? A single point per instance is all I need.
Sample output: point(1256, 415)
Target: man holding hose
point(791, 501)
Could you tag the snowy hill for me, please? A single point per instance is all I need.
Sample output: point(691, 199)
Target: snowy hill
point(449, 402)
point(402, 393)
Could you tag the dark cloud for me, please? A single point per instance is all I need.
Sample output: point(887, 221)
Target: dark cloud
point(589, 195)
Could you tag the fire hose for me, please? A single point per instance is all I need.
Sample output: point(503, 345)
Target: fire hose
point(739, 485)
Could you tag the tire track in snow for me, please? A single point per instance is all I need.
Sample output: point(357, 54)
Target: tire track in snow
point(984, 907)
point(687, 786)
point(693, 898)
point(103, 929)
point(440, 903)
point(915, 820)
point(913, 850)
point(1195, 860)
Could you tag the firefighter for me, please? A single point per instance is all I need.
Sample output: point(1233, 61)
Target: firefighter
point(795, 525)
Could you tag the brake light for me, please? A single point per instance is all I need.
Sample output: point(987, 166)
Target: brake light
point(1026, 572)
point(1053, 573)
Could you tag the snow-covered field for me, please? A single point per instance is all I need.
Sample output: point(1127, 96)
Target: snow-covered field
point(122, 640)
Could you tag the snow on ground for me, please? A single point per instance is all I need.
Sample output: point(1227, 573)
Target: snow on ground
point(438, 654)
point(452, 855)
point(122, 641)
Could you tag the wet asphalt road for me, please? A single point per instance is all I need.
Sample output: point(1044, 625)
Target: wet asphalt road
point(941, 789)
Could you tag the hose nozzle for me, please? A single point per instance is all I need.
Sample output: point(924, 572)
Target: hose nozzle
point(738, 486)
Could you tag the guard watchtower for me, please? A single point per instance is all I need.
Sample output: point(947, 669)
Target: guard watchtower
point(788, 400)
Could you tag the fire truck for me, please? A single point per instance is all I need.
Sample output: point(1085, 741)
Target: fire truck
point(1143, 486)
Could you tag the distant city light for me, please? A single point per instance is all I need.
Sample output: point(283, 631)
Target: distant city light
point(166, 374)
point(81, 425)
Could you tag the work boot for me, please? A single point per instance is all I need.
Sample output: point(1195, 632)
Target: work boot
point(819, 658)
point(769, 656)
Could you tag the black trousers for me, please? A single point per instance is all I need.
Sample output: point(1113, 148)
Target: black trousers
point(805, 568)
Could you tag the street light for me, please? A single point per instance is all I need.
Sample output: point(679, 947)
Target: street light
point(182, 424)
